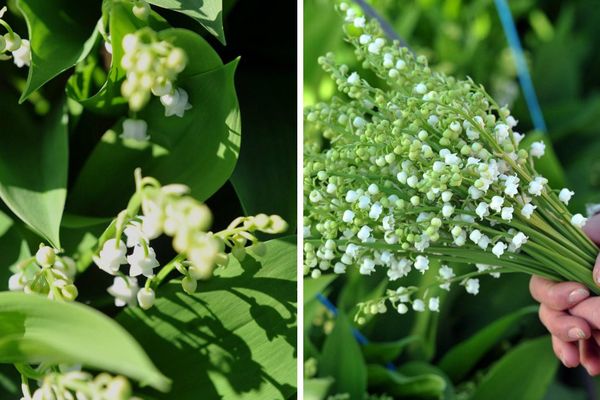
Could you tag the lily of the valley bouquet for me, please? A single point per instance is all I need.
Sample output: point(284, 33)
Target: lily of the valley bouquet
point(423, 172)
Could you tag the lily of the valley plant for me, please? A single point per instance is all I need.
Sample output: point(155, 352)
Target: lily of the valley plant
point(427, 167)
point(150, 67)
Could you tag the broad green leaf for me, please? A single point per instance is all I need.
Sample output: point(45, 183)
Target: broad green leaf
point(209, 13)
point(33, 168)
point(312, 287)
point(533, 360)
point(269, 121)
point(383, 352)
point(316, 389)
point(34, 329)
point(235, 337)
point(459, 360)
point(419, 368)
point(60, 34)
point(410, 387)
point(199, 150)
point(342, 360)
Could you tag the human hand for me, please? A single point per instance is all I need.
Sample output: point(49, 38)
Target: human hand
point(570, 315)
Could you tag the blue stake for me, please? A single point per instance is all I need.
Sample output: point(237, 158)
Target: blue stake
point(510, 30)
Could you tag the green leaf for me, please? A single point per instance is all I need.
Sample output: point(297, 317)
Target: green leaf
point(316, 389)
point(34, 329)
point(342, 360)
point(235, 337)
point(59, 38)
point(312, 287)
point(33, 168)
point(459, 360)
point(383, 352)
point(269, 121)
point(209, 13)
point(411, 387)
point(199, 150)
point(534, 360)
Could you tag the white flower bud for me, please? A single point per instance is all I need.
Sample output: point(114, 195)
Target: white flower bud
point(482, 210)
point(418, 305)
point(499, 248)
point(578, 220)
point(402, 308)
point(475, 236)
point(348, 216)
point(496, 203)
point(434, 304)
point(353, 79)
point(507, 213)
point(472, 286)
point(421, 264)
point(45, 256)
point(364, 233)
point(367, 266)
point(527, 210)
point(146, 298)
point(519, 239)
point(537, 149)
point(565, 195)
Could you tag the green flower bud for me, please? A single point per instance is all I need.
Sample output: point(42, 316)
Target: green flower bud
point(12, 41)
point(141, 9)
point(69, 292)
point(189, 285)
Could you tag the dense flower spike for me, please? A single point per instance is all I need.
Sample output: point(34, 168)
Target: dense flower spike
point(427, 168)
point(12, 43)
point(152, 67)
point(155, 210)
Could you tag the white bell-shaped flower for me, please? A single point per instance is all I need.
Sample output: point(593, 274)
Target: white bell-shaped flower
point(22, 56)
point(124, 290)
point(142, 263)
point(111, 256)
point(176, 103)
point(135, 129)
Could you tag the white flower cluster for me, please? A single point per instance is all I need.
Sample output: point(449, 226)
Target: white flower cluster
point(71, 383)
point(169, 210)
point(46, 273)
point(12, 43)
point(152, 67)
point(429, 167)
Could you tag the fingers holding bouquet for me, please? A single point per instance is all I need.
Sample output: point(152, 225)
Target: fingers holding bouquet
point(571, 314)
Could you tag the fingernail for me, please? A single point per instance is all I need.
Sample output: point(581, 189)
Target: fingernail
point(577, 295)
point(576, 333)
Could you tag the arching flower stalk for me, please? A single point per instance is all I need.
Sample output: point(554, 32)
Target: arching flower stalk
point(155, 210)
point(47, 273)
point(427, 167)
point(68, 382)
